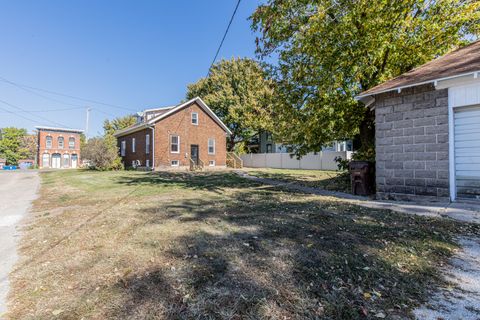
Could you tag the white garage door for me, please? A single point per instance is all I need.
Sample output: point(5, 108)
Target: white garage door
point(467, 152)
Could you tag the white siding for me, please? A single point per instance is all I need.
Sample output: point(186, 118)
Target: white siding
point(467, 151)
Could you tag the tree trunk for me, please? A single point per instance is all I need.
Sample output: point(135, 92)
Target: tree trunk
point(367, 130)
point(231, 143)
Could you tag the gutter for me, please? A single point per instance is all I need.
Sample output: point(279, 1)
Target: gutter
point(153, 146)
point(361, 97)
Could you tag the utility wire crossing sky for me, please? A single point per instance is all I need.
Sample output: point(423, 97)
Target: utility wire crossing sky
point(60, 58)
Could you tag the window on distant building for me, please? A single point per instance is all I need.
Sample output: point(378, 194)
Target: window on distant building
point(123, 146)
point(269, 148)
point(174, 144)
point(71, 143)
point(147, 144)
point(133, 145)
point(269, 136)
point(195, 118)
point(211, 146)
point(48, 142)
point(211, 163)
point(60, 142)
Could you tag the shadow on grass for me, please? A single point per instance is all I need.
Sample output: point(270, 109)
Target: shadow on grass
point(286, 257)
point(334, 182)
point(210, 181)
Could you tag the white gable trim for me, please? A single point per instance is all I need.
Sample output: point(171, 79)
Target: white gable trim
point(202, 104)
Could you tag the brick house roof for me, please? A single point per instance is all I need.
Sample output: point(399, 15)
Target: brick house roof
point(459, 62)
point(169, 111)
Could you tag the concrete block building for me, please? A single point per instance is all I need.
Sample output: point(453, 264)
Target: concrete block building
point(428, 129)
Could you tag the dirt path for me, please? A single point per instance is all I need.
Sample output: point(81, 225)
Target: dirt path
point(17, 190)
point(462, 300)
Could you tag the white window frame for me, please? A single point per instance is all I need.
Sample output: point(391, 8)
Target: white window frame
point(178, 143)
point(62, 146)
point(70, 139)
point(133, 145)
point(47, 139)
point(196, 118)
point(211, 163)
point(147, 163)
point(175, 163)
point(208, 146)
point(123, 146)
point(147, 144)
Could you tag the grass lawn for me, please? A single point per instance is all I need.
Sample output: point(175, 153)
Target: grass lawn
point(136, 245)
point(329, 180)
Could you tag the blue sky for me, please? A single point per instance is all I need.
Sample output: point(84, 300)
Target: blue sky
point(134, 54)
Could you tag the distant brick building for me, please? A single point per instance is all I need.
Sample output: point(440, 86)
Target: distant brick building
point(58, 147)
point(174, 137)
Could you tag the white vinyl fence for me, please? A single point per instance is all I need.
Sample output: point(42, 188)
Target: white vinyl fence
point(324, 160)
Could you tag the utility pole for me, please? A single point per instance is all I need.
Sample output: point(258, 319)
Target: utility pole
point(86, 124)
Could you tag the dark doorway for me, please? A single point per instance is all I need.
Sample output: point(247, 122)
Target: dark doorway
point(194, 153)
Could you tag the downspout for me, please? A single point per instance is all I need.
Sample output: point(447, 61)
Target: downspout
point(153, 146)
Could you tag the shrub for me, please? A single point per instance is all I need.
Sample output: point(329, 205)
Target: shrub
point(102, 153)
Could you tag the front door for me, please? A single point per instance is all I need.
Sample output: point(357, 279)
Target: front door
point(74, 160)
point(194, 153)
point(56, 160)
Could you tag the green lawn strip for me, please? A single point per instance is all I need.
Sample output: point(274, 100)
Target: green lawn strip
point(213, 245)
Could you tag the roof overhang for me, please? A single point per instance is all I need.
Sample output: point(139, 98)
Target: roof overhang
point(59, 129)
point(439, 83)
point(131, 129)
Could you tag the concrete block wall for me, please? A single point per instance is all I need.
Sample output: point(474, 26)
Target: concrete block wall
point(412, 143)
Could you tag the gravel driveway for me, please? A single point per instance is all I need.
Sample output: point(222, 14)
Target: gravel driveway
point(17, 190)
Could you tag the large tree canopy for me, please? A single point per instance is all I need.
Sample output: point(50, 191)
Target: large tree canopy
point(330, 50)
point(16, 144)
point(240, 94)
point(119, 123)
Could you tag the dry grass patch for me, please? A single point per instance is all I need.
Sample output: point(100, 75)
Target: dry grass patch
point(134, 245)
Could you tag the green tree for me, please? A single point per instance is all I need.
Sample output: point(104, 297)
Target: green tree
point(102, 153)
point(110, 126)
point(330, 50)
point(12, 144)
point(240, 94)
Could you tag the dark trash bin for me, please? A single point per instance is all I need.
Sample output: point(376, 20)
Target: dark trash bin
point(362, 175)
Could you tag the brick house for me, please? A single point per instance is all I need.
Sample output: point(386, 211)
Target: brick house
point(174, 137)
point(58, 147)
point(428, 129)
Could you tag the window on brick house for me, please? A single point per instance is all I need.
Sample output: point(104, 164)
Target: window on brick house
point(71, 143)
point(147, 144)
point(123, 146)
point(48, 142)
point(133, 145)
point(174, 144)
point(211, 146)
point(195, 118)
point(61, 142)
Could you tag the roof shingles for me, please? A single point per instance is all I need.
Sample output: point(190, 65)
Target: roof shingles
point(457, 62)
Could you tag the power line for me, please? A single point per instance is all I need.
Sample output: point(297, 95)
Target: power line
point(224, 36)
point(31, 88)
point(38, 116)
point(49, 110)
point(18, 115)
